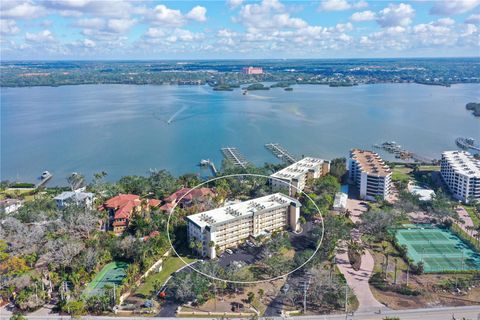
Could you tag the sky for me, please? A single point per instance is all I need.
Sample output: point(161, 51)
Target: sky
point(236, 29)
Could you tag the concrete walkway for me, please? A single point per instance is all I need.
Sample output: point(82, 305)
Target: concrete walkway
point(467, 221)
point(358, 280)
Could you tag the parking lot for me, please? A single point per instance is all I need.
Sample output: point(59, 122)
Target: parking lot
point(244, 254)
point(249, 254)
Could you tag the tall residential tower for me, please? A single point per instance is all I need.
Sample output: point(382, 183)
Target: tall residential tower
point(370, 174)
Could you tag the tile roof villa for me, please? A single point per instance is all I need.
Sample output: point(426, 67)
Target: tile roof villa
point(123, 206)
point(189, 196)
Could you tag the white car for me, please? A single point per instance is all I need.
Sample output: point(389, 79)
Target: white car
point(229, 251)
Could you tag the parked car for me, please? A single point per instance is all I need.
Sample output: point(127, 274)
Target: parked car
point(229, 251)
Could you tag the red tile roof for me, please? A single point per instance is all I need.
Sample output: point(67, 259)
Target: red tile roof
point(193, 194)
point(123, 204)
point(153, 202)
point(167, 206)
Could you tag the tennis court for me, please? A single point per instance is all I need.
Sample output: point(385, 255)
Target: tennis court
point(112, 274)
point(439, 249)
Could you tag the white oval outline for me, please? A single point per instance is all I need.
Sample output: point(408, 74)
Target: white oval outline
point(234, 281)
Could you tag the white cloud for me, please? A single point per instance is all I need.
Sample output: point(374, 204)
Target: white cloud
point(363, 16)
point(120, 25)
point(396, 15)
point(21, 10)
point(92, 23)
point(155, 33)
point(473, 19)
point(89, 43)
point(8, 27)
point(452, 7)
point(445, 22)
point(40, 37)
point(234, 3)
point(198, 13)
point(103, 8)
point(340, 5)
point(269, 14)
point(162, 15)
point(168, 36)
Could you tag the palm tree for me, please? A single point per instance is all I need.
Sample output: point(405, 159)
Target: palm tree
point(198, 246)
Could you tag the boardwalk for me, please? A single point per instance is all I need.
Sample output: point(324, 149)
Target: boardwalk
point(281, 153)
point(235, 157)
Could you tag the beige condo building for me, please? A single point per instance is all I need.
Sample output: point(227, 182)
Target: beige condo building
point(229, 226)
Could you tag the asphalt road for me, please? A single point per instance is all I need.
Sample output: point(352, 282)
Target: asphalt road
point(469, 313)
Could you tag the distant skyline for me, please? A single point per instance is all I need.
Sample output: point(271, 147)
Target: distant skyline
point(236, 29)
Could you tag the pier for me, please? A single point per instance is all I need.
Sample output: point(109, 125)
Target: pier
point(44, 181)
point(281, 153)
point(235, 157)
point(210, 164)
point(467, 143)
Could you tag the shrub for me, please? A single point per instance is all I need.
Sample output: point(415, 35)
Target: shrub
point(417, 268)
point(22, 185)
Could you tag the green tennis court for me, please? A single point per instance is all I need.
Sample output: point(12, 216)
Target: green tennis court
point(110, 275)
point(439, 249)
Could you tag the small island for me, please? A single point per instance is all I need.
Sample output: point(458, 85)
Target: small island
point(282, 84)
point(223, 87)
point(256, 86)
point(474, 107)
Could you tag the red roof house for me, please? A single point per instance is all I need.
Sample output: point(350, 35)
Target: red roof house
point(186, 197)
point(123, 206)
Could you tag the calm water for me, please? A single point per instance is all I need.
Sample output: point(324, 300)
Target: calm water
point(123, 129)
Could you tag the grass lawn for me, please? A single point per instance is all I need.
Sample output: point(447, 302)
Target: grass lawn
point(471, 213)
point(170, 265)
point(429, 168)
point(14, 193)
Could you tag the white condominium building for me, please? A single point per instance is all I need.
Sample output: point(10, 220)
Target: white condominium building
point(369, 173)
point(229, 226)
point(297, 174)
point(461, 172)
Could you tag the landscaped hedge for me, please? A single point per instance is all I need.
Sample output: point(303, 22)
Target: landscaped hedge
point(379, 283)
point(22, 185)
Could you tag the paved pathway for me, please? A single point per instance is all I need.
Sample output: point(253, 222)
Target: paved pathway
point(356, 208)
point(358, 280)
point(467, 221)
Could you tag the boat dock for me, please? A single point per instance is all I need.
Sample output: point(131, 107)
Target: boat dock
point(421, 159)
point(44, 180)
point(235, 157)
point(281, 153)
point(210, 164)
point(467, 143)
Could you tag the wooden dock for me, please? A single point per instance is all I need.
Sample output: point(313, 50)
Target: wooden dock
point(281, 153)
point(235, 157)
point(44, 181)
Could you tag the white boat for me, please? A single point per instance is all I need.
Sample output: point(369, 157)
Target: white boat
point(45, 175)
point(204, 162)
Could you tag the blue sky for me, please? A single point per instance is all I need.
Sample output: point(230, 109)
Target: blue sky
point(120, 29)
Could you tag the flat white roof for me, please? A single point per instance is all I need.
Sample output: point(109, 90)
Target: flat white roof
point(340, 200)
point(463, 163)
point(424, 194)
point(242, 209)
point(73, 194)
point(298, 168)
